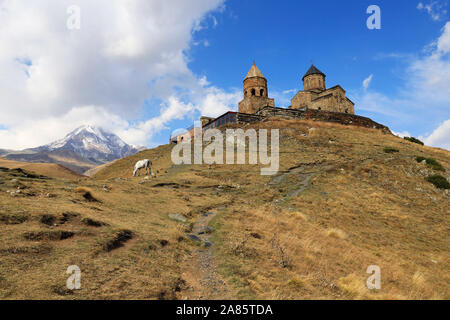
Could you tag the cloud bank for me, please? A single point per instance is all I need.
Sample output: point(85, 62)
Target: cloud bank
point(126, 55)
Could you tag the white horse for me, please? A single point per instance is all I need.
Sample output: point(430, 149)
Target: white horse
point(147, 164)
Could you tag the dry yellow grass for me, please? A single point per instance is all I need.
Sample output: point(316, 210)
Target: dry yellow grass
point(353, 286)
point(47, 169)
point(361, 207)
point(336, 233)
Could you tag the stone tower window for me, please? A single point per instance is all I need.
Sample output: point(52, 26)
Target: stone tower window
point(253, 92)
point(261, 93)
point(245, 93)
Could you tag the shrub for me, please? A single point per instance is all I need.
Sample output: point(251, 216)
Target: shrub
point(48, 219)
point(118, 240)
point(432, 163)
point(48, 235)
point(391, 150)
point(439, 181)
point(92, 222)
point(414, 140)
point(13, 218)
point(420, 159)
point(86, 193)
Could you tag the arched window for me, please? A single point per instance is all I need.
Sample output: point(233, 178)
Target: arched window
point(346, 110)
point(245, 93)
point(253, 92)
point(320, 108)
point(261, 93)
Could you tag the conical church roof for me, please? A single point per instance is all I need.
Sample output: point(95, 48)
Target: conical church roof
point(313, 70)
point(254, 72)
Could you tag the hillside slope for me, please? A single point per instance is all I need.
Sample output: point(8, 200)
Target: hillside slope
point(123, 168)
point(45, 169)
point(340, 203)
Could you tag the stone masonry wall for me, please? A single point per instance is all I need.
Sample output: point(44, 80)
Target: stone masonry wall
point(252, 104)
point(309, 114)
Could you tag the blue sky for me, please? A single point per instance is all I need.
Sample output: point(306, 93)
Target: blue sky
point(144, 68)
point(284, 36)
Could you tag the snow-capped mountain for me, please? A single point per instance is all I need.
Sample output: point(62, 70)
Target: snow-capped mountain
point(92, 143)
point(80, 150)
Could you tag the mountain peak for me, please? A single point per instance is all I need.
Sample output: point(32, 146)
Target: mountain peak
point(81, 149)
point(91, 129)
point(93, 143)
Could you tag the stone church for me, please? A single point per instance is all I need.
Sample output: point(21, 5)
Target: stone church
point(314, 96)
point(314, 102)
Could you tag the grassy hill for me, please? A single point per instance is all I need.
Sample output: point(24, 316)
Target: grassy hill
point(46, 169)
point(345, 198)
point(123, 168)
point(70, 160)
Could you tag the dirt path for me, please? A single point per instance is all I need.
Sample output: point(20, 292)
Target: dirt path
point(297, 179)
point(201, 276)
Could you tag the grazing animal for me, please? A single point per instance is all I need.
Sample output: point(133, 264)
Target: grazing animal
point(147, 164)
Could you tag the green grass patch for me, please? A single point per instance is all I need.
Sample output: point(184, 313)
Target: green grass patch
point(432, 163)
point(391, 150)
point(439, 181)
point(414, 140)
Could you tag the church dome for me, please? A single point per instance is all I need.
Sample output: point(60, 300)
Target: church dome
point(313, 70)
point(254, 72)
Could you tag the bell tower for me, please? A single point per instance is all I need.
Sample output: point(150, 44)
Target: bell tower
point(255, 92)
point(314, 80)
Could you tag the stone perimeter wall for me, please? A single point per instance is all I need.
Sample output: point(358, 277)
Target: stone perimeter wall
point(309, 114)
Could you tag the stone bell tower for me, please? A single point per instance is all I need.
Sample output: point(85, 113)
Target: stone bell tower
point(255, 92)
point(314, 80)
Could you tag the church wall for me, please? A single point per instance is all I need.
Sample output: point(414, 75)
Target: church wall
point(251, 104)
point(333, 100)
point(302, 99)
point(325, 103)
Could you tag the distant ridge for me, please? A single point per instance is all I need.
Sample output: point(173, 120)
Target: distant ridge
point(82, 149)
point(51, 170)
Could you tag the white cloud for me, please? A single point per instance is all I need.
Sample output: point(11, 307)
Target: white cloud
point(34, 132)
point(126, 53)
point(290, 91)
point(217, 102)
point(401, 134)
point(436, 9)
point(430, 76)
point(440, 137)
point(367, 81)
